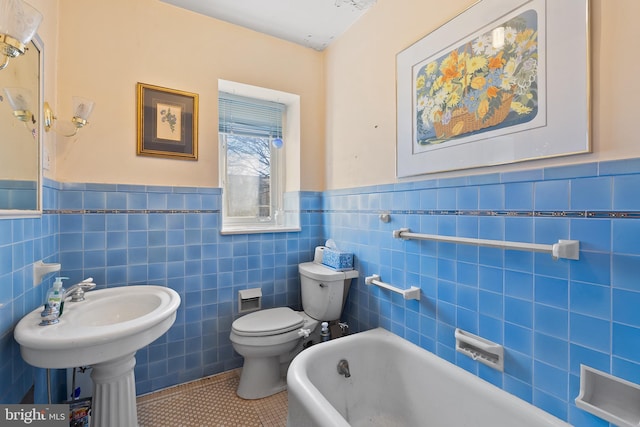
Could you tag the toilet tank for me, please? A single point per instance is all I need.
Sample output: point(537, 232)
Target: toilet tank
point(324, 290)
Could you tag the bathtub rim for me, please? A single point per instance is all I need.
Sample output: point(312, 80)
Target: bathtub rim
point(299, 384)
point(322, 412)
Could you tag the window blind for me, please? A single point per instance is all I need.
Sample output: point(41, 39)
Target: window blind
point(249, 116)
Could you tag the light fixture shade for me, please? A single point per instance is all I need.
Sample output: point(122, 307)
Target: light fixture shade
point(19, 20)
point(82, 107)
point(20, 98)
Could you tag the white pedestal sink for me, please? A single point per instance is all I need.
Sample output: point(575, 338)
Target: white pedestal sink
point(104, 331)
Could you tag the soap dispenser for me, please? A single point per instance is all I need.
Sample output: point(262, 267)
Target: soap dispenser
point(55, 296)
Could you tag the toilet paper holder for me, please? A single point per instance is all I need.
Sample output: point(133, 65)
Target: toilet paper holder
point(249, 300)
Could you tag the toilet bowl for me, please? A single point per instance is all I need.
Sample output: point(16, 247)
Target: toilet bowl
point(265, 339)
point(269, 339)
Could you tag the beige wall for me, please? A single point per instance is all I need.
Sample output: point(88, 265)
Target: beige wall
point(18, 150)
point(107, 47)
point(360, 69)
point(48, 33)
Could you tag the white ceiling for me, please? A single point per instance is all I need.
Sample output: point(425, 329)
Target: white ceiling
point(310, 23)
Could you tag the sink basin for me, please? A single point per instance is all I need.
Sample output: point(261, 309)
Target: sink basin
point(109, 323)
point(103, 331)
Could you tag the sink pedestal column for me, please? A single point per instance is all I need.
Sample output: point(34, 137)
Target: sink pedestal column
point(114, 393)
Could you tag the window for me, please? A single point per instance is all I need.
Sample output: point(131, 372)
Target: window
point(252, 163)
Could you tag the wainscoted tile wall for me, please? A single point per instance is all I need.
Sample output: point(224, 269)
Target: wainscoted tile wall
point(125, 235)
point(22, 242)
point(551, 316)
point(122, 235)
point(18, 194)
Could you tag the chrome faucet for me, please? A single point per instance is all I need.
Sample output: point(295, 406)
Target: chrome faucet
point(76, 292)
point(51, 315)
point(343, 368)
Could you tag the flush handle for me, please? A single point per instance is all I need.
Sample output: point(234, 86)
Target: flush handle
point(322, 285)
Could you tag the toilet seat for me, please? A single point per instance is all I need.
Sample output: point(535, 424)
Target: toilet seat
point(272, 321)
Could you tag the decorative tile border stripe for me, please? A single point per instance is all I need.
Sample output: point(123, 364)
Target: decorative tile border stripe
point(149, 211)
point(128, 211)
point(564, 214)
point(597, 214)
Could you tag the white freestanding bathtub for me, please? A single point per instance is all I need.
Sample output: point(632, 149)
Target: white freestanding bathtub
point(396, 383)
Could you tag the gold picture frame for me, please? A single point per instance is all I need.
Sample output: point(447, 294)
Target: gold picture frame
point(167, 122)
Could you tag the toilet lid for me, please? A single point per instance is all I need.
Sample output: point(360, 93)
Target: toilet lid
point(272, 321)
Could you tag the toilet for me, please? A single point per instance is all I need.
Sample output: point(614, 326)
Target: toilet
point(269, 339)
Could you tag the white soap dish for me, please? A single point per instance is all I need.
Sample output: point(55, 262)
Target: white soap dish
point(610, 398)
point(480, 349)
point(41, 269)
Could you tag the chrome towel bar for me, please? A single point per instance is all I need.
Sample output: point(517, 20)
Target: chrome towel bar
point(568, 249)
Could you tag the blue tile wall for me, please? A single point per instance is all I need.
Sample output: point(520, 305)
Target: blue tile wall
point(127, 235)
point(18, 194)
point(22, 242)
point(551, 316)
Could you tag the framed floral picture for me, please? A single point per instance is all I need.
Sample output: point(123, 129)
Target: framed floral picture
point(504, 81)
point(167, 122)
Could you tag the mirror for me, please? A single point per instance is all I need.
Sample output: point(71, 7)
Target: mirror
point(21, 141)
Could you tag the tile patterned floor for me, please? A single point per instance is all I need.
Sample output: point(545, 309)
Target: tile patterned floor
point(210, 402)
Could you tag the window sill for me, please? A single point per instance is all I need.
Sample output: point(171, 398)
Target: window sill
point(239, 229)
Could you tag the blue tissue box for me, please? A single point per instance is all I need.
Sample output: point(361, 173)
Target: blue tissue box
point(339, 261)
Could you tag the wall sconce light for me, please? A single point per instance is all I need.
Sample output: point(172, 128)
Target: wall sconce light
point(19, 22)
point(82, 108)
point(20, 100)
